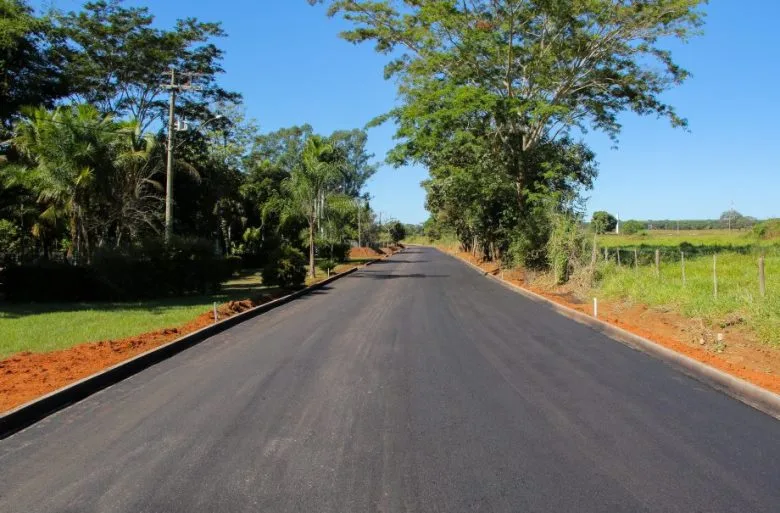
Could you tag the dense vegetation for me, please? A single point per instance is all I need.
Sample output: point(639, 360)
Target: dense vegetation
point(494, 95)
point(83, 114)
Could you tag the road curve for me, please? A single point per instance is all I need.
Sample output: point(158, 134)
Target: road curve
point(413, 385)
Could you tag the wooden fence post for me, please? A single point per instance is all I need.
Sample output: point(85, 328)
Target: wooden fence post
point(618, 257)
point(606, 254)
point(761, 276)
point(636, 260)
point(682, 260)
point(658, 263)
point(715, 275)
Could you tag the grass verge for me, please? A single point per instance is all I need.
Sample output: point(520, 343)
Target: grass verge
point(42, 327)
point(738, 300)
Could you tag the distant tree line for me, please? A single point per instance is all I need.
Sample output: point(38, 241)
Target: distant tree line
point(729, 219)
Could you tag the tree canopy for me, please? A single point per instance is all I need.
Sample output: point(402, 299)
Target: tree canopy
point(494, 94)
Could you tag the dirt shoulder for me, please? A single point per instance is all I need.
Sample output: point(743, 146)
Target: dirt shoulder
point(740, 353)
point(25, 376)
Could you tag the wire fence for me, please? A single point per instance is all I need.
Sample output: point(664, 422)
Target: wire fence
point(675, 262)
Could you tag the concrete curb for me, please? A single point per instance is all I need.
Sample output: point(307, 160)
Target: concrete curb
point(40, 408)
point(748, 393)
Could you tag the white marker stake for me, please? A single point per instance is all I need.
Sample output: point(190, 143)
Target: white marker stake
point(216, 317)
point(595, 308)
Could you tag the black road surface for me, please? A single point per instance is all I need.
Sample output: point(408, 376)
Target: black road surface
point(413, 385)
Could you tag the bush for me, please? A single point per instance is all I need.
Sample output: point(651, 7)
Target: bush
point(564, 247)
point(9, 241)
point(326, 264)
point(286, 269)
point(603, 222)
point(338, 252)
point(397, 232)
point(50, 281)
point(631, 227)
point(150, 271)
point(766, 230)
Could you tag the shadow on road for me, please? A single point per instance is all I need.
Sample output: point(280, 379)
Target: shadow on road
point(386, 276)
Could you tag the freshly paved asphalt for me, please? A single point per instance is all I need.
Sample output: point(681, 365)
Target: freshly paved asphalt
point(414, 385)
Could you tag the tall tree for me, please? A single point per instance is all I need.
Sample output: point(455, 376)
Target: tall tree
point(32, 56)
point(350, 148)
point(119, 58)
point(307, 187)
point(507, 77)
point(68, 154)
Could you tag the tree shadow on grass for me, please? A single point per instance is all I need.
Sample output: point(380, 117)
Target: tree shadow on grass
point(230, 292)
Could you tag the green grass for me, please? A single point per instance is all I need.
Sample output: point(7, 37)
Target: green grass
point(716, 239)
point(41, 327)
point(446, 239)
point(738, 291)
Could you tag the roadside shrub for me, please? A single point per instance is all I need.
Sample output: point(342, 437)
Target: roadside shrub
point(149, 271)
point(564, 247)
point(50, 281)
point(286, 269)
point(338, 252)
point(326, 264)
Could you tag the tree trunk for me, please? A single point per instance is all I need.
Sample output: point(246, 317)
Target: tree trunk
point(312, 271)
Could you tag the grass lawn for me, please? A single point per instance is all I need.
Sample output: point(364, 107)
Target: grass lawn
point(41, 327)
point(738, 290)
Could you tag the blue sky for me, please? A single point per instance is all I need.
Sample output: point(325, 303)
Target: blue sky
point(287, 60)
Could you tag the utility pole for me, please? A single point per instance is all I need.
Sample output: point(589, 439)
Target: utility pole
point(174, 88)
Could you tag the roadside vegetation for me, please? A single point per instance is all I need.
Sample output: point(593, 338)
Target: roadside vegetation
point(42, 327)
point(494, 98)
point(84, 139)
point(738, 300)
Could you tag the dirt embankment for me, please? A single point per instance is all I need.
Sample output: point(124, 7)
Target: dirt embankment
point(361, 253)
point(25, 376)
point(740, 353)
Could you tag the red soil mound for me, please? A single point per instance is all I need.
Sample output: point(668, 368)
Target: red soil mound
point(25, 376)
point(358, 253)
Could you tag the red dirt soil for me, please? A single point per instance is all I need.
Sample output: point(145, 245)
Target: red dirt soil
point(25, 376)
point(360, 253)
point(741, 354)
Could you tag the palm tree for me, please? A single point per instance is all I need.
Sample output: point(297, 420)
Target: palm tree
point(307, 188)
point(66, 149)
point(136, 198)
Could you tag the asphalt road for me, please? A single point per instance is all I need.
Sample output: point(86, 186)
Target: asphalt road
point(414, 385)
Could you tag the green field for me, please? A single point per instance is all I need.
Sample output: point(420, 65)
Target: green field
point(41, 327)
point(738, 298)
point(715, 239)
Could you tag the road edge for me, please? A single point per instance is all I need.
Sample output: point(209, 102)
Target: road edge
point(752, 395)
point(38, 409)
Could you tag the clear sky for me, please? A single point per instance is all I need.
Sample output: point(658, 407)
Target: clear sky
point(285, 57)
